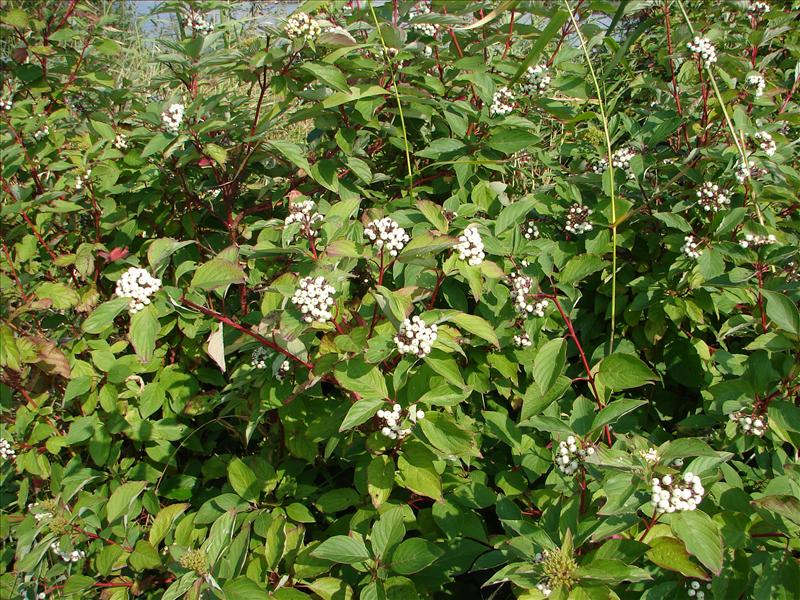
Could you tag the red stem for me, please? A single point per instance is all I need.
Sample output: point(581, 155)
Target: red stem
point(760, 276)
point(14, 274)
point(510, 33)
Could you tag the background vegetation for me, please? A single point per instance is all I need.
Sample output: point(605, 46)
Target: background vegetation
point(625, 296)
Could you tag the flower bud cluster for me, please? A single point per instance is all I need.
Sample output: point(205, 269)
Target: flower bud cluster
point(418, 10)
point(522, 340)
point(752, 240)
point(690, 246)
point(138, 285)
point(386, 233)
point(577, 221)
point(415, 337)
point(529, 230)
point(676, 495)
point(300, 25)
point(7, 450)
point(69, 557)
point(5, 104)
point(313, 297)
point(304, 212)
point(195, 560)
point(502, 102)
point(197, 24)
point(537, 80)
point(571, 453)
point(82, 180)
point(259, 358)
point(470, 246)
point(693, 589)
point(757, 8)
point(766, 143)
point(758, 82)
point(42, 132)
point(750, 424)
point(704, 48)
point(172, 118)
point(711, 198)
point(120, 142)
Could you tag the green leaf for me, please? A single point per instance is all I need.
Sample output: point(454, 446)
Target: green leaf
point(143, 330)
point(611, 571)
point(327, 74)
point(786, 506)
point(624, 371)
point(701, 536)
point(360, 412)
point(144, 556)
point(513, 215)
point(164, 520)
point(549, 363)
point(613, 411)
point(342, 549)
point(61, 295)
point(103, 316)
point(243, 588)
point(380, 479)
point(413, 555)
point(446, 366)
point(157, 144)
point(243, 480)
point(554, 24)
point(120, 501)
point(669, 553)
point(476, 326)
point(685, 447)
point(217, 273)
point(579, 267)
point(365, 380)
point(292, 152)
point(782, 311)
point(387, 532)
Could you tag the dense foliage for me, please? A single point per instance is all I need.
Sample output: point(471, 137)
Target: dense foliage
point(514, 315)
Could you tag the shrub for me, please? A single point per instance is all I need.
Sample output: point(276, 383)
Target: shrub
point(517, 316)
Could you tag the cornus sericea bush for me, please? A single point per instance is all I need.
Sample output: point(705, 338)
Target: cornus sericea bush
point(138, 285)
point(387, 235)
point(278, 417)
point(712, 198)
point(314, 299)
point(703, 48)
point(415, 337)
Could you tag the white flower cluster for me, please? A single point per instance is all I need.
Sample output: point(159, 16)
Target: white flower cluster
point(259, 358)
point(502, 102)
point(752, 240)
point(415, 337)
point(419, 9)
point(521, 286)
point(529, 230)
point(757, 8)
point(386, 233)
point(69, 557)
point(693, 590)
point(711, 198)
point(537, 80)
point(82, 180)
point(670, 495)
point(703, 47)
point(6, 450)
point(197, 24)
point(650, 455)
point(304, 212)
point(750, 424)
point(544, 588)
point(766, 143)
point(283, 370)
point(120, 142)
point(393, 418)
point(5, 104)
point(621, 158)
point(578, 219)
point(758, 82)
point(522, 340)
point(43, 131)
point(470, 246)
point(570, 455)
point(300, 25)
point(689, 247)
point(138, 285)
point(313, 297)
point(173, 117)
